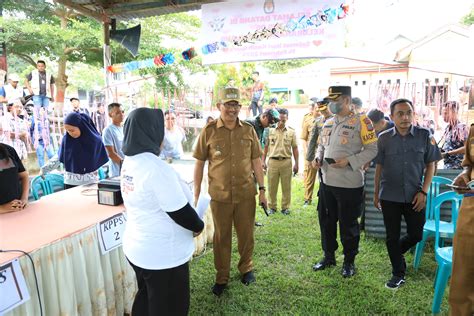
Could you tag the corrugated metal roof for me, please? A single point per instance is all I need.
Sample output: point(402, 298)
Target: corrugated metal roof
point(132, 9)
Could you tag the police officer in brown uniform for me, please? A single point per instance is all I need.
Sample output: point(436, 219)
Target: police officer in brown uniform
point(309, 174)
point(234, 154)
point(461, 292)
point(280, 145)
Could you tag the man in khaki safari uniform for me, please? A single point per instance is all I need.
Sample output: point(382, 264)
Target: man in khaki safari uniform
point(461, 291)
point(309, 175)
point(234, 154)
point(280, 145)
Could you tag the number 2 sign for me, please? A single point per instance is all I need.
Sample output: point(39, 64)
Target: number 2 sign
point(110, 232)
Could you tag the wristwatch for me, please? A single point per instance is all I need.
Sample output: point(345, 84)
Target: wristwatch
point(423, 192)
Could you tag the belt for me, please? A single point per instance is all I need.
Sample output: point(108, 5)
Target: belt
point(279, 158)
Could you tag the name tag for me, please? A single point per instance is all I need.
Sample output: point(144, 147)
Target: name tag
point(110, 232)
point(13, 289)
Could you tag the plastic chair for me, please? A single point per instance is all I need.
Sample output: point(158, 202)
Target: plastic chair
point(446, 229)
point(443, 255)
point(52, 181)
point(102, 174)
point(38, 187)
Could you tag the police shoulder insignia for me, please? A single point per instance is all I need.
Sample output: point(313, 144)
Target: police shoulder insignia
point(368, 123)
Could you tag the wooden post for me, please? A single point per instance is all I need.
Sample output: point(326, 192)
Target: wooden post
point(107, 62)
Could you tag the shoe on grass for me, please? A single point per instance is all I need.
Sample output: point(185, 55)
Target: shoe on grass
point(395, 282)
point(248, 278)
point(218, 289)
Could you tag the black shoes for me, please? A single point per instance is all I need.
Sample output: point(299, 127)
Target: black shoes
point(248, 278)
point(258, 224)
point(323, 264)
point(271, 211)
point(306, 203)
point(395, 282)
point(218, 289)
point(285, 211)
point(348, 270)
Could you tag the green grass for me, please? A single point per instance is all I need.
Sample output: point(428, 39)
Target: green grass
point(285, 249)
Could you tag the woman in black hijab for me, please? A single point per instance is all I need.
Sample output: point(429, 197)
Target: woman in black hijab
point(158, 239)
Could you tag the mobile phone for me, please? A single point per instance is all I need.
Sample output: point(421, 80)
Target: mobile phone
point(456, 187)
point(330, 160)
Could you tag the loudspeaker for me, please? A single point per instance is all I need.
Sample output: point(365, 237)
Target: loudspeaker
point(128, 38)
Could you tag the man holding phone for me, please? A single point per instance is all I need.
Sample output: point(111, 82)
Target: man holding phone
point(405, 167)
point(461, 290)
point(347, 142)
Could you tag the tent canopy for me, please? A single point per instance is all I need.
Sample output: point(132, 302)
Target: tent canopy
point(104, 10)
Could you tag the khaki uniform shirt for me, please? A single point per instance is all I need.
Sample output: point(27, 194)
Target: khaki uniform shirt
point(352, 137)
point(281, 142)
point(230, 154)
point(468, 160)
point(307, 126)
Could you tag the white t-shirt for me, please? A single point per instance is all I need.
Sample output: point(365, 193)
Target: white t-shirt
point(150, 188)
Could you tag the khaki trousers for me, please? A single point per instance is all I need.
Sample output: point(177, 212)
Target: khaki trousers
point(279, 170)
point(461, 291)
point(242, 214)
point(309, 180)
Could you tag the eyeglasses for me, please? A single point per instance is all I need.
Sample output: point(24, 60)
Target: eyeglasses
point(229, 106)
point(171, 118)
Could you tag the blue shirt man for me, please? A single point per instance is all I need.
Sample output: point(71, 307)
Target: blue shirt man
point(405, 168)
point(113, 138)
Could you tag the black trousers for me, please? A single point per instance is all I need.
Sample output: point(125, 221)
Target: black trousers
point(162, 292)
point(396, 246)
point(343, 206)
point(322, 217)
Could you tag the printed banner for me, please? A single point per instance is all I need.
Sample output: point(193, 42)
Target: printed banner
point(252, 30)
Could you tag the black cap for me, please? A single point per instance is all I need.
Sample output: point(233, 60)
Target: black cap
point(335, 92)
point(375, 115)
point(273, 100)
point(73, 98)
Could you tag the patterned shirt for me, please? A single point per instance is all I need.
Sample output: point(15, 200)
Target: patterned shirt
point(454, 138)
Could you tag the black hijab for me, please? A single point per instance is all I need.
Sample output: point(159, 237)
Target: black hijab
point(143, 131)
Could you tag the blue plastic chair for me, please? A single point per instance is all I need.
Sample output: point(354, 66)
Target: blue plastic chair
point(38, 187)
point(102, 174)
point(443, 255)
point(54, 181)
point(446, 229)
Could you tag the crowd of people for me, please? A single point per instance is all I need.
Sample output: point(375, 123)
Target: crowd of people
point(340, 141)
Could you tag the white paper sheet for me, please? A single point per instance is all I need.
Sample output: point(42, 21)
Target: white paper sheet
point(203, 204)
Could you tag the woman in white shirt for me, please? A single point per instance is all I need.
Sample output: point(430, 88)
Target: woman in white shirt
point(158, 240)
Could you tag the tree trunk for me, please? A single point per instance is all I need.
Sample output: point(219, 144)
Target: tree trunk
point(61, 80)
point(61, 84)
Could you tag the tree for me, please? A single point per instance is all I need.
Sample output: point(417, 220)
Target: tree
point(469, 19)
point(41, 28)
point(282, 66)
point(37, 28)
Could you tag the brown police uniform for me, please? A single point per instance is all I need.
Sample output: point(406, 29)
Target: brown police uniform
point(280, 144)
point(461, 292)
point(232, 189)
point(309, 174)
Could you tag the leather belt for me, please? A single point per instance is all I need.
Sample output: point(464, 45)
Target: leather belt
point(279, 158)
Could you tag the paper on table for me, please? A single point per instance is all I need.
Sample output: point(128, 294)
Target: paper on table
point(202, 204)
